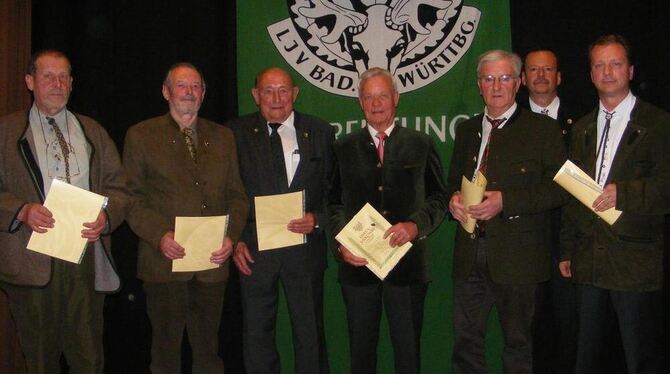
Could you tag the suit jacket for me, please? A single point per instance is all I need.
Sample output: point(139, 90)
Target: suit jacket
point(166, 183)
point(524, 156)
point(315, 138)
point(409, 186)
point(627, 255)
point(21, 182)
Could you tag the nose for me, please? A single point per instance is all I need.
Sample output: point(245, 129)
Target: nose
point(608, 69)
point(540, 72)
point(496, 84)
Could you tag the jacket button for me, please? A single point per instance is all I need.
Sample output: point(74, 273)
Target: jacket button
point(204, 206)
point(379, 165)
point(380, 188)
point(197, 183)
point(385, 212)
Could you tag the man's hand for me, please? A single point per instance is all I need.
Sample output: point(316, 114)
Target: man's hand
point(564, 268)
point(401, 233)
point(37, 217)
point(606, 200)
point(242, 258)
point(304, 225)
point(221, 255)
point(350, 258)
point(489, 208)
point(457, 209)
point(93, 230)
point(170, 248)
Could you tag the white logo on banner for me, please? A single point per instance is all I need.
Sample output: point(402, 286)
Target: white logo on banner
point(330, 43)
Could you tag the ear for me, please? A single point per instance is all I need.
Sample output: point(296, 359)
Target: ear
point(257, 96)
point(30, 82)
point(296, 90)
point(516, 86)
point(558, 78)
point(166, 93)
point(630, 72)
point(523, 78)
point(396, 99)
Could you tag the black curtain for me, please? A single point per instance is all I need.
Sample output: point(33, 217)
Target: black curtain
point(120, 51)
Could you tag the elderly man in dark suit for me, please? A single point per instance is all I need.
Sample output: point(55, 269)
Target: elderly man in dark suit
point(623, 145)
point(399, 172)
point(54, 302)
point(182, 165)
point(556, 323)
point(302, 162)
point(508, 255)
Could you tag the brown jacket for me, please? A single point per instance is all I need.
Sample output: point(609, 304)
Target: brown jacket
point(21, 182)
point(166, 183)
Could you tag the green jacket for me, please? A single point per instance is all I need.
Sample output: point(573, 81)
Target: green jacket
point(628, 255)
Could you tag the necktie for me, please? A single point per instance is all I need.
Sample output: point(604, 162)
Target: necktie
point(188, 139)
point(485, 156)
point(544, 111)
point(380, 146)
point(65, 149)
point(481, 225)
point(278, 164)
point(602, 147)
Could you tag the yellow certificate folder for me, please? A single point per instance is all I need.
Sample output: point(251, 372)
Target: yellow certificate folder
point(71, 207)
point(273, 213)
point(583, 188)
point(200, 236)
point(472, 193)
point(364, 237)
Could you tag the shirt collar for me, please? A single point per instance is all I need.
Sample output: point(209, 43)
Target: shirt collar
point(507, 115)
point(373, 131)
point(288, 122)
point(624, 107)
point(552, 107)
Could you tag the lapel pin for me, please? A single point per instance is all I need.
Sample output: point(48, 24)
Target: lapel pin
point(256, 129)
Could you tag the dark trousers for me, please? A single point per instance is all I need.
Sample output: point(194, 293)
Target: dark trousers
point(555, 326)
point(640, 322)
point(194, 305)
point(304, 298)
point(473, 300)
point(64, 317)
point(404, 309)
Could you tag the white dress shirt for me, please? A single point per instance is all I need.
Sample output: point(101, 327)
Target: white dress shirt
point(618, 125)
point(552, 108)
point(289, 143)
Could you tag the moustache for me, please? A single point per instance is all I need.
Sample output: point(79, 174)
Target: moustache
point(541, 81)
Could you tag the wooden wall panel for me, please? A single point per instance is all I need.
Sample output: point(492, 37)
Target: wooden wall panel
point(15, 25)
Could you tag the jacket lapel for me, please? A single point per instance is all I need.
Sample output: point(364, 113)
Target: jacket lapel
point(590, 146)
point(303, 133)
point(629, 141)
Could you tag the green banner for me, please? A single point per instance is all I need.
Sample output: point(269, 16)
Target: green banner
point(431, 47)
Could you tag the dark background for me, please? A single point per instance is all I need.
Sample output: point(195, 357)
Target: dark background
point(120, 51)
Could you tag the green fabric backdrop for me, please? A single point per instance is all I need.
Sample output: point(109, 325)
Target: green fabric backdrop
point(267, 37)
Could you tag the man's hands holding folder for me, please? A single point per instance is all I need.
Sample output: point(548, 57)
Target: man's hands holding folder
point(490, 207)
point(40, 219)
point(172, 250)
point(400, 234)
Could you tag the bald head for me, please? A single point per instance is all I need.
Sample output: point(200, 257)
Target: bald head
point(274, 94)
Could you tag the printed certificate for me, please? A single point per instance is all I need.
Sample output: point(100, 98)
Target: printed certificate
point(273, 213)
point(364, 237)
point(71, 207)
point(200, 236)
point(584, 188)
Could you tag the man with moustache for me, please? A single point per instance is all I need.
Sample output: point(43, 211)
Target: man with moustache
point(622, 145)
point(182, 165)
point(556, 323)
point(399, 172)
point(302, 163)
point(56, 304)
point(507, 257)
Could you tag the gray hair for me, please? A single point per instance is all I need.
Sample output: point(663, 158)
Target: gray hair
point(373, 72)
point(188, 65)
point(495, 55)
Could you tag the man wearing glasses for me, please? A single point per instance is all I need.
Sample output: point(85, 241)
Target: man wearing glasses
point(502, 262)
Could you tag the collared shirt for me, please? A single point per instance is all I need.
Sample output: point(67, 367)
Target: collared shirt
point(374, 133)
point(50, 154)
point(552, 107)
point(289, 143)
point(486, 130)
point(618, 125)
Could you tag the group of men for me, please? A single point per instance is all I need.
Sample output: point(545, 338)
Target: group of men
point(180, 164)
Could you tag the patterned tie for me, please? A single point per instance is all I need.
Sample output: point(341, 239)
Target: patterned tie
point(65, 149)
point(545, 111)
point(380, 147)
point(603, 144)
point(188, 139)
point(485, 156)
point(278, 164)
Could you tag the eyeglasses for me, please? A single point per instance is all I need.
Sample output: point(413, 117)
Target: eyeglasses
point(490, 79)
